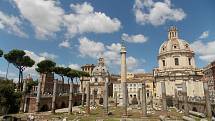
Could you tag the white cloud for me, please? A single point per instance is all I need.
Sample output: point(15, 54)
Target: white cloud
point(90, 48)
point(84, 8)
point(44, 15)
point(37, 59)
point(111, 53)
point(84, 19)
point(48, 55)
point(75, 66)
point(206, 51)
point(139, 38)
point(11, 24)
point(156, 13)
point(204, 35)
point(64, 44)
point(131, 62)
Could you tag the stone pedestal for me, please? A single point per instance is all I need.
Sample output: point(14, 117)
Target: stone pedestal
point(163, 88)
point(207, 100)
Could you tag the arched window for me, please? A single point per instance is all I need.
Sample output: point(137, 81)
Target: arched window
point(163, 61)
point(176, 61)
point(189, 61)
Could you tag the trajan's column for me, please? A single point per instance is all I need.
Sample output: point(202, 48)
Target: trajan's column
point(123, 78)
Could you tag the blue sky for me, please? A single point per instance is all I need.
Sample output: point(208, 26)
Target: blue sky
point(77, 32)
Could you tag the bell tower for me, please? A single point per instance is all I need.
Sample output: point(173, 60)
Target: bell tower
point(172, 33)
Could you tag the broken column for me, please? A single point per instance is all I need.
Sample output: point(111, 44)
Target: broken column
point(163, 88)
point(54, 97)
point(42, 76)
point(106, 97)
point(24, 96)
point(185, 98)
point(144, 105)
point(207, 100)
point(70, 97)
point(88, 98)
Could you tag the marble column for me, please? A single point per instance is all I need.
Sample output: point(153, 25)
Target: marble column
point(143, 104)
point(88, 98)
point(176, 99)
point(151, 99)
point(207, 100)
point(54, 97)
point(138, 97)
point(70, 97)
point(115, 96)
point(23, 103)
point(82, 93)
point(106, 97)
point(123, 79)
point(42, 76)
point(185, 98)
point(163, 88)
point(93, 95)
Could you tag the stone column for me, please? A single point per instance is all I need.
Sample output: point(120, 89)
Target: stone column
point(151, 99)
point(54, 97)
point(185, 98)
point(82, 94)
point(88, 98)
point(176, 99)
point(42, 76)
point(94, 102)
point(163, 88)
point(106, 97)
point(125, 98)
point(23, 103)
point(115, 96)
point(207, 100)
point(138, 97)
point(143, 104)
point(70, 97)
point(123, 79)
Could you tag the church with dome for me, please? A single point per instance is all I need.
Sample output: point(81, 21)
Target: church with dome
point(176, 64)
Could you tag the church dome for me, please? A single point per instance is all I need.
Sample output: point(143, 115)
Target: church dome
point(175, 53)
point(174, 44)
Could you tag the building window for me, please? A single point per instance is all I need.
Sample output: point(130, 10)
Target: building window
point(175, 46)
point(189, 60)
point(163, 62)
point(176, 61)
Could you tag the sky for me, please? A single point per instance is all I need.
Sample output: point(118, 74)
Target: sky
point(77, 32)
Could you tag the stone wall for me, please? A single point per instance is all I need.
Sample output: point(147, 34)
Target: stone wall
point(45, 102)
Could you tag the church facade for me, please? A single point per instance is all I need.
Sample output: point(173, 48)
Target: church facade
point(176, 64)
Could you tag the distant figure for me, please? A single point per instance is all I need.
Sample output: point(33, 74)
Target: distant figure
point(30, 118)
